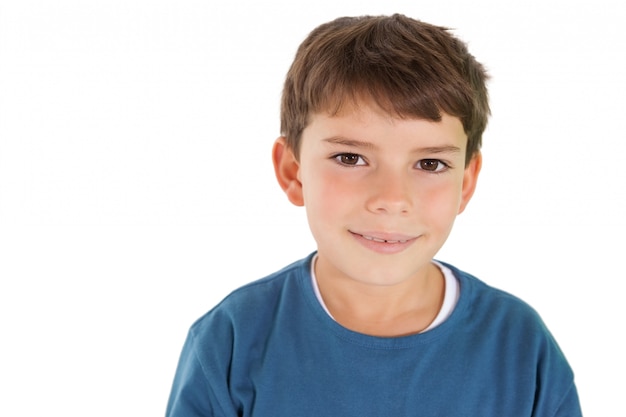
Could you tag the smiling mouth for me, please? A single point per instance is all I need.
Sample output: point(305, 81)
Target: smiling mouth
point(391, 239)
point(375, 239)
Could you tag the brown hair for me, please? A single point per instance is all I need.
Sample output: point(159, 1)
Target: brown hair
point(407, 67)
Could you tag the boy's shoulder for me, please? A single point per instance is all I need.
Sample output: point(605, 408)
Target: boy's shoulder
point(258, 298)
point(481, 291)
point(489, 309)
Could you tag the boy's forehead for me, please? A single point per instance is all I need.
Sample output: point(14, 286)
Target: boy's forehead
point(366, 121)
point(361, 111)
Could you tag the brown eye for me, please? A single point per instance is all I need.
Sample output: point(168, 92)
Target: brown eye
point(349, 159)
point(432, 165)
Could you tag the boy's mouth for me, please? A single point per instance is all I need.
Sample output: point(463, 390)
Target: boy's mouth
point(384, 237)
point(375, 239)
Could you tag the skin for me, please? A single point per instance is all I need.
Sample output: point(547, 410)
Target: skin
point(381, 195)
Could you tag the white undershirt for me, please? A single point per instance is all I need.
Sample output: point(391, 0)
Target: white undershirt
point(450, 297)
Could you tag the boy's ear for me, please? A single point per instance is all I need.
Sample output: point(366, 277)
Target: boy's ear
point(470, 178)
point(286, 168)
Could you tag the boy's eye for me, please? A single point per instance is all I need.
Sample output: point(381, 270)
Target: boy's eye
point(432, 165)
point(349, 159)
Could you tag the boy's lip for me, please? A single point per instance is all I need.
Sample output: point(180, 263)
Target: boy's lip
point(384, 243)
point(382, 237)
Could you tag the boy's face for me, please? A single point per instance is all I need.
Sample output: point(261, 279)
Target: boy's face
point(381, 193)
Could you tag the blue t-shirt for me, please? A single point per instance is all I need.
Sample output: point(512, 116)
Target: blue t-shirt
point(270, 350)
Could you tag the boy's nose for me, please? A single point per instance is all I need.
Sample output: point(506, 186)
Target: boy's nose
point(390, 193)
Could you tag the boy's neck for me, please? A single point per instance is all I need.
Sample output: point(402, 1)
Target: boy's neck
point(385, 311)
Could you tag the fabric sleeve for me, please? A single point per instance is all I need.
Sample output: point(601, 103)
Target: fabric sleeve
point(556, 390)
point(201, 383)
point(570, 406)
point(190, 391)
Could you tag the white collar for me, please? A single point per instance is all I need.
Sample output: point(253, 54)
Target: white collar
point(450, 297)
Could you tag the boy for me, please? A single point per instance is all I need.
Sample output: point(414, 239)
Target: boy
point(381, 122)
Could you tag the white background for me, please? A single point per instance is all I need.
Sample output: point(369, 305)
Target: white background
point(136, 188)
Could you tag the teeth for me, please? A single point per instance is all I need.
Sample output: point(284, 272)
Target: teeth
point(383, 240)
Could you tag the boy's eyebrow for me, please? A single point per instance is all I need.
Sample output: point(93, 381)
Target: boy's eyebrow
point(439, 149)
point(340, 140)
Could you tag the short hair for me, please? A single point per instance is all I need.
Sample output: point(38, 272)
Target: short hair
point(409, 68)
